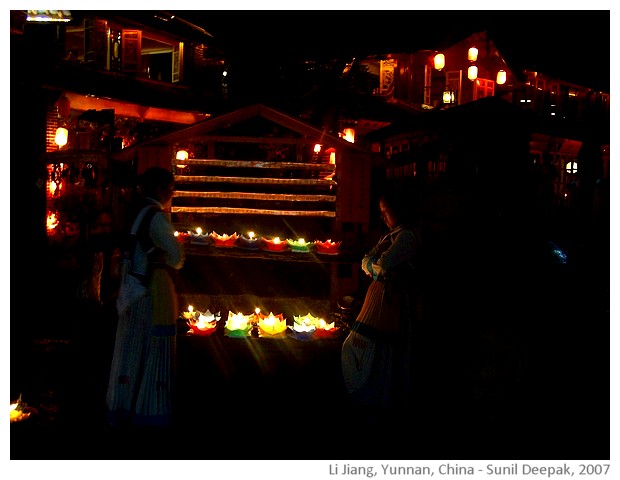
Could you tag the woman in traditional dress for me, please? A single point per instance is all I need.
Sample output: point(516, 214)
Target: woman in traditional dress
point(376, 355)
point(142, 375)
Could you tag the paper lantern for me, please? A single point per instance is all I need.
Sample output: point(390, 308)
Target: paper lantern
point(472, 54)
point(501, 77)
point(472, 72)
point(439, 61)
point(62, 136)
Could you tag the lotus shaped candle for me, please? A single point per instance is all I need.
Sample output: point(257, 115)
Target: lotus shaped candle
point(200, 238)
point(225, 240)
point(327, 247)
point(299, 245)
point(183, 237)
point(204, 323)
point(302, 331)
point(274, 245)
point(270, 325)
point(249, 241)
point(307, 319)
point(325, 329)
point(19, 411)
point(238, 325)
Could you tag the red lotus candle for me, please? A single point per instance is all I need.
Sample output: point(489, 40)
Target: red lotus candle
point(274, 245)
point(182, 237)
point(202, 323)
point(225, 240)
point(325, 329)
point(327, 247)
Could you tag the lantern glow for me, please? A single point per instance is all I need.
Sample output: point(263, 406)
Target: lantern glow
point(62, 137)
point(439, 61)
point(501, 77)
point(472, 72)
point(472, 54)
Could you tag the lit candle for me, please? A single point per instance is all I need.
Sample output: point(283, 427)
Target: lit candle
point(182, 236)
point(327, 247)
point(224, 240)
point(249, 241)
point(237, 325)
point(200, 238)
point(203, 323)
point(274, 245)
point(299, 245)
point(271, 324)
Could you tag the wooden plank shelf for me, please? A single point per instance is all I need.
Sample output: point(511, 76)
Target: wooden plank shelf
point(254, 211)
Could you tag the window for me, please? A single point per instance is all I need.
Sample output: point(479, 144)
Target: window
point(483, 88)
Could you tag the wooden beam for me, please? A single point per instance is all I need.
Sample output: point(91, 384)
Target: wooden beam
point(256, 164)
point(256, 196)
point(253, 180)
point(254, 211)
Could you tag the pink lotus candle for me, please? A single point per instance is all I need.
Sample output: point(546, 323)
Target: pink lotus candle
point(327, 247)
point(274, 245)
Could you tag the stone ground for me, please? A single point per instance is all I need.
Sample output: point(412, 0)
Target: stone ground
point(513, 364)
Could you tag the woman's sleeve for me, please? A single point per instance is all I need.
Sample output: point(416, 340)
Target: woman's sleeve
point(401, 250)
point(162, 233)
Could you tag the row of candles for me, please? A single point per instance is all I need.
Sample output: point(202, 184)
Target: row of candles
point(253, 242)
point(304, 327)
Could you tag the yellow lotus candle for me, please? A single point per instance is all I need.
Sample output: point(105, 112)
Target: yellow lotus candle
point(307, 319)
point(271, 324)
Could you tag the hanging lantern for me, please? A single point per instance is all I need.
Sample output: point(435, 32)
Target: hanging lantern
point(439, 61)
point(501, 77)
point(182, 155)
point(472, 54)
point(349, 135)
point(472, 72)
point(62, 136)
point(64, 107)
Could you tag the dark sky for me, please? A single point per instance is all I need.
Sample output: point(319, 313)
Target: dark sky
point(572, 44)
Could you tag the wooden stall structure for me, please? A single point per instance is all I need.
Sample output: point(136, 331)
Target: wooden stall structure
point(258, 169)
